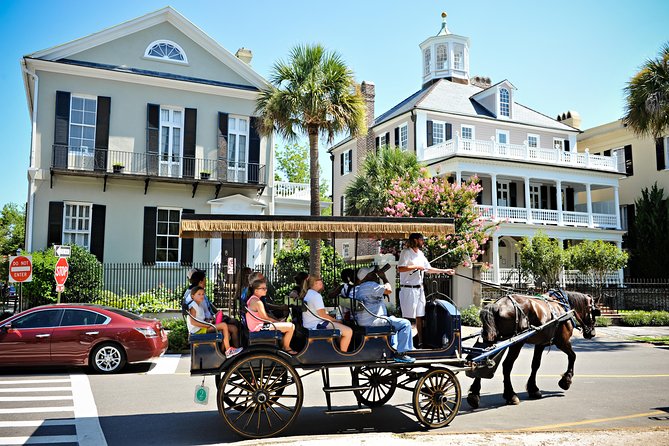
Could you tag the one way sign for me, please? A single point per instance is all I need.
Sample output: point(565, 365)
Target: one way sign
point(62, 250)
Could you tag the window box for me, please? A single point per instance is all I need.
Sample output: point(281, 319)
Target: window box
point(204, 175)
point(118, 168)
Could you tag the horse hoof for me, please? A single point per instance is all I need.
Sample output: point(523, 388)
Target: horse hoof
point(535, 395)
point(473, 400)
point(564, 383)
point(513, 401)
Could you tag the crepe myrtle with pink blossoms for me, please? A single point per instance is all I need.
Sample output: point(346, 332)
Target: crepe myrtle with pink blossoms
point(436, 197)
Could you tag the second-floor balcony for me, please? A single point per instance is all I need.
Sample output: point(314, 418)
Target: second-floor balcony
point(155, 166)
point(550, 217)
point(459, 146)
point(293, 191)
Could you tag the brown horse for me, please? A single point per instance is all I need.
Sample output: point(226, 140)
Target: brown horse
point(516, 313)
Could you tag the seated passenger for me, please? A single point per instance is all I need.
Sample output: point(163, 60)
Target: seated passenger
point(256, 316)
point(299, 282)
point(196, 310)
point(372, 295)
point(314, 302)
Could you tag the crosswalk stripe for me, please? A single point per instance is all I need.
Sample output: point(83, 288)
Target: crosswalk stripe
point(35, 398)
point(33, 381)
point(49, 439)
point(37, 409)
point(37, 423)
point(89, 432)
point(165, 365)
point(34, 389)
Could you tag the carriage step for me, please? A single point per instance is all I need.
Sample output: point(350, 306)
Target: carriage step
point(344, 388)
point(365, 410)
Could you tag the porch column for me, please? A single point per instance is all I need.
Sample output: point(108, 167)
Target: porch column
point(493, 182)
point(458, 177)
point(621, 277)
point(588, 195)
point(558, 195)
point(495, 258)
point(561, 276)
point(528, 204)
point(616, 203)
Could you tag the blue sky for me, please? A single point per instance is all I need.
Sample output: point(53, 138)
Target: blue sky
point(567, 55)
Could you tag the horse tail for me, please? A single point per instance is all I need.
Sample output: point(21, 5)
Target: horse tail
point(487, 316)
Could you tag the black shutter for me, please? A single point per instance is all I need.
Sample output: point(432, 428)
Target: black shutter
point(350, 160)
point(149, 239)
point(570, 199)
point(629, 164)
point(55, 228)
point(61, 129)
point(513, 195)
point(479, 197)
point(254, 152)
point(631, 221)
point(553, 198)
point(187, 244)
point(342, 205)
point(397, 136)
point(387, 139)
point(152, 139)
point(544, 197)
point(102, 132)
point(378, 142)
point(341, 163)
point(566, 145)
point(659, 153)
point(98, 231)
point(222, 164)
point(448, 131)
point(429, 134)
point(606, 153)
point(190, 130)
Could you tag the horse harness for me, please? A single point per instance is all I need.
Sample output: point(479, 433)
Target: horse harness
point(561, 297)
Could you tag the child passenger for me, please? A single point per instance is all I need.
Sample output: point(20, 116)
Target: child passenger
point(196, 310)
point(313, 299)
point(256, 316)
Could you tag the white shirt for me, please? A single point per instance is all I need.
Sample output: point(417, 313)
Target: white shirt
point(314, 301)
point(408, 257)
point(199, 314)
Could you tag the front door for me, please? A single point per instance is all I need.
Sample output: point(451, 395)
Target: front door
point(502, 193)
point(171, 142)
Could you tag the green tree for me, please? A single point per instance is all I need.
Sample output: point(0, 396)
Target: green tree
point(313, 93)
point(12, 228)
point(369, 192)
point(542, 257)
point(292, 166)
point(597, 258)
point(649, 236)
point(647, 97)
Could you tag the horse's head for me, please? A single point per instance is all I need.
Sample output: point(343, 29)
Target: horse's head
point(489, 328)
point(585, 311)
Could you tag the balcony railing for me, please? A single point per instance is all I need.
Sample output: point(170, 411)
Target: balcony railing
point(296, 191)
point(493, 149)
point(122, 163)
point(549, 216)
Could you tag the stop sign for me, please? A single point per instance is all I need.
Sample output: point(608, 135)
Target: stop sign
point(62, 270)
point(20, 269)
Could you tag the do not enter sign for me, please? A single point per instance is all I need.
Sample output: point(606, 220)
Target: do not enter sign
point(20, 269)
point(62, 270)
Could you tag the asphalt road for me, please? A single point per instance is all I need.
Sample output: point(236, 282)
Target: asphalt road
point(617, 385)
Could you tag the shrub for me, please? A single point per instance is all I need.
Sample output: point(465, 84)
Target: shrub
point(152, 301)
point(645, 318)
point(177, 335)
point(603, 322)
point(470, 316)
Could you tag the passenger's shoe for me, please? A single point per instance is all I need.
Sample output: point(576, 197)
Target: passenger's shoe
point(232, 351)
point(404, 358)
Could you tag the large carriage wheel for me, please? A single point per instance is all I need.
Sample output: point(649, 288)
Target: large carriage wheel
point(260, 396)
point(436, 398)
point(382, 383)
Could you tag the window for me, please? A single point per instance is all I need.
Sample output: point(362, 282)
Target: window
point(167, 235)
point(459, 57)
point(77, 224)
point(467, 132)
point(535, 196)
point(39, 319)
point(404, 136)
point(533, 141)
point(238, 136)
point(346, 250)
point(427, 56)
point(502, 136)
point(442, 57)
point(502, 193)
point(558, 144)
point(504, 102)
point(620, 154)
point(74, 317)
point(437, 132)
point(171, 141)
point(167, 51)
point(348, 155)
point(381, 140)
point(82, 124)
point(666, 152)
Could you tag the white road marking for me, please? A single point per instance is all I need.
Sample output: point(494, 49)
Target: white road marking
point(34, 398)
point(35, 389)
point(37, 423)
point(89, 432)
point(41, 439)
point(34, 381)
point(165, 365)
point(37, 409)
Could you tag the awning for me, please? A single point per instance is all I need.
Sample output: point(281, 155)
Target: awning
point(306, 227)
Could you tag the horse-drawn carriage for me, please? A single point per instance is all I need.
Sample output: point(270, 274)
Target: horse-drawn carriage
point(259, 391)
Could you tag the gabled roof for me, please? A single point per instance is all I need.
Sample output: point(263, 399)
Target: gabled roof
point(166, 14)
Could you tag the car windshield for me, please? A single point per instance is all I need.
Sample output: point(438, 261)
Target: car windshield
point(127, 314)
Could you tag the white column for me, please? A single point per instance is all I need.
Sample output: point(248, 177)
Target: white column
point(495, 258)
point(558, 195)
point(588, 195)
point(616, 203)
point(421, 134)
point(458, 177)
point(528, 203)
point(621, 277)
point(493, 180)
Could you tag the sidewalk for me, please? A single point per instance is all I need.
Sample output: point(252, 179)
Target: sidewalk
point(612, 331)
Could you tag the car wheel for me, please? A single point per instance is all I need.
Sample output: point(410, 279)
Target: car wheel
point(108, 358)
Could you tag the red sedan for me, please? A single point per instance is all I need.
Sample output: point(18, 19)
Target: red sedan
point(80, 334)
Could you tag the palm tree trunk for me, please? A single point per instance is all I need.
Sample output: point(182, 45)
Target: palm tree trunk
point(315, 244)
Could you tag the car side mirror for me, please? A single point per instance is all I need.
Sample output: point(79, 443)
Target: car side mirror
point(5, 328)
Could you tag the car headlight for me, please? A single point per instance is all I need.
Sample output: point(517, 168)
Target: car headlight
point(147, 332)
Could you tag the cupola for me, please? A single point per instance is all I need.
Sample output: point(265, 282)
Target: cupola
point(445, 56)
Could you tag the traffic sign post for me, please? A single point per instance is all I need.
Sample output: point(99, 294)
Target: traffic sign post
point(60, 274)
point(62, 250)
point(20, 270)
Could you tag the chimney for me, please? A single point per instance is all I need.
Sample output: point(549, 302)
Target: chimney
point(244, 54)
point(570, 118)
point(481, 81)
point(368, 89)
point(366, 144)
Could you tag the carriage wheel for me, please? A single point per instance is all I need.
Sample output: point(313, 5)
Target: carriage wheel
point(382, 383)
point(436, 398)
point(260, 396)
point(233, 402)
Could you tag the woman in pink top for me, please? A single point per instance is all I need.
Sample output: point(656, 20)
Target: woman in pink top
point(256, 316)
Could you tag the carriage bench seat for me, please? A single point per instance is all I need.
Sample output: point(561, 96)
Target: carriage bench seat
point(206, 337)
point(264, 337)
point(378, 329)
point(325, 333)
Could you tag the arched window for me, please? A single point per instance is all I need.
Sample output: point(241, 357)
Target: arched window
point(427, 56)
point(504, 105)
point(166, 50)
point(442, 57)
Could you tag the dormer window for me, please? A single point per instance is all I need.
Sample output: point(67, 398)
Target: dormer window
point(442, 57)
point(166, 50)
point(504, 102)
point(427, 58)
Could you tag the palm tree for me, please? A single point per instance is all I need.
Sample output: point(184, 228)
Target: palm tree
point(647, 97)
point(313, 93)
point(368, 193)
